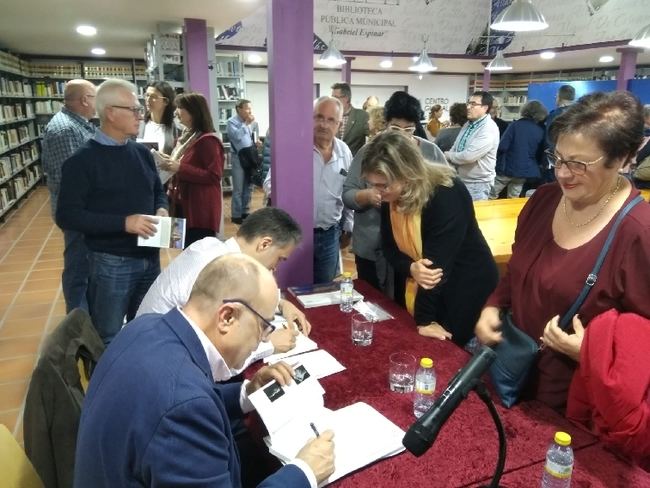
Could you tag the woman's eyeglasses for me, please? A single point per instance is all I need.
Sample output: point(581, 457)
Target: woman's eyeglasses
point(577, 168)
point(405, 130)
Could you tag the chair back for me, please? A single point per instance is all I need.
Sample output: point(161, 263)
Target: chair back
point(17, 471)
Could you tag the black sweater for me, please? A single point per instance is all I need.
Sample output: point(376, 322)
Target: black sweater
point(102, 185)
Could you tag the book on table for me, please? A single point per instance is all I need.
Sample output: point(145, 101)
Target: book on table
point(320, 295)
point(170, 233)
point(362, 435)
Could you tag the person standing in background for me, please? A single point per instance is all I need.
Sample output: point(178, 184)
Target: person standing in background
point(371, 101)
point(457, 118)
point(564, 98)
point(435, 124)
point(240, 135)
point(495, 113)
point(197, 163)
point(68, 130)
point(354, 125)
point(95, 200)
point(159, 123)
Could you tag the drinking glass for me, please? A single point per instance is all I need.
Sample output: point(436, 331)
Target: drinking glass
point(401, 373)
point(361, 329)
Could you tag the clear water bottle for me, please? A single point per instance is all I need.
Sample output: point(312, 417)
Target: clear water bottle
point(347, 290)
point(559, 462)
point(425, 386)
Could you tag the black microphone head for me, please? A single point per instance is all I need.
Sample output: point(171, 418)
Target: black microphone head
point(415, 443)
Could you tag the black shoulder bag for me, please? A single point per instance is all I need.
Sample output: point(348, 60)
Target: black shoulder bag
point(517, 351)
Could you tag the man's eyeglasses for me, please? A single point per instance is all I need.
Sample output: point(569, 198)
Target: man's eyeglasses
point(406, 130)
point(266, 326)
point(319, 119)
point(135, 110)
point(474, 104)
point(577, 168)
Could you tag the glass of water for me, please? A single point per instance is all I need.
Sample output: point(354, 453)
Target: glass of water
point(361, 330)
point(401, 373)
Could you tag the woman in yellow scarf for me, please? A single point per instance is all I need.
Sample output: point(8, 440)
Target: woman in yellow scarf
point(431, 237)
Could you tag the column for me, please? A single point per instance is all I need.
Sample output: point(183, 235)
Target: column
point(196, 57)
point(346, 70)
point(290, 68)
point(487, 76)
point(627, 67)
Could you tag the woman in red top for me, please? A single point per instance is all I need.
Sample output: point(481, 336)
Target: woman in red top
point(562, 229)
point(197, 161)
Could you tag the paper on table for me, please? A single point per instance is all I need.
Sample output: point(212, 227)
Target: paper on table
point(320, 363)
point(372, 311)
point(303, 344)
point(361, 436)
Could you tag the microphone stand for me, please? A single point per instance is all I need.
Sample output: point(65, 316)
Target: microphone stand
point(484, 395)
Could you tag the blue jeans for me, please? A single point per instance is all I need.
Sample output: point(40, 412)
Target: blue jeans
point(326, 254)
point(76, 269)
point(479, 191)
point(241, 189)
point(117, 286)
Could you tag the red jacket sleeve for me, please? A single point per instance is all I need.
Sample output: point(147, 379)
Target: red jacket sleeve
point(202, 164)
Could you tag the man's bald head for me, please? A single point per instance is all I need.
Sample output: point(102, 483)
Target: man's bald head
point(79, 97)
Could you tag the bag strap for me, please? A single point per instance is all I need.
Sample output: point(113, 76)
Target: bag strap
point(593, 276)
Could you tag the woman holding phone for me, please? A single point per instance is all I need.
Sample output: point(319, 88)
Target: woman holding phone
point(431, 237)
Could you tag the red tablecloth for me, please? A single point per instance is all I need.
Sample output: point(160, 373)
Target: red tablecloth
point(465, 451)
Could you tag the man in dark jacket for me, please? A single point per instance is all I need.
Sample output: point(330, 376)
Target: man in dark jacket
point(354, 126)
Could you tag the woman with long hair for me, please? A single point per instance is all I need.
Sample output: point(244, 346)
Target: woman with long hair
point(159, 125)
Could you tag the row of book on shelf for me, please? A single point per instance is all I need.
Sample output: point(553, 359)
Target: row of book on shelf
point(16, 111)
point(15, 187)
point(225, 114)
point(11, 163)
point(18, 88)
point(16, 135)
point(515, 99)
point(48, 106)
point(228, 68)
point(228, 92)
point(15, 88)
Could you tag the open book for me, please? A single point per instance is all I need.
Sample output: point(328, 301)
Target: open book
point(170, 233)
point(322, 294)
point(361, 434)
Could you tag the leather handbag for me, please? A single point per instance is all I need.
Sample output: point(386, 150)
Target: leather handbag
point(517, 352)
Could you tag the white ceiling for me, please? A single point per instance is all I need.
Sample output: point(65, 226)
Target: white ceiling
point(47, 27)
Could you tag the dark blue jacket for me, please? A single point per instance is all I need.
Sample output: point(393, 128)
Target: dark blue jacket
point(520, 149)
point(154, 417)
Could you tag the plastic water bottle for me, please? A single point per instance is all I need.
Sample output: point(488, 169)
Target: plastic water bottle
point(559, 462)
point(425, 386)
point(347, 290)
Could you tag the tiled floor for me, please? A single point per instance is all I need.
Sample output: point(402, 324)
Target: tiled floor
point(31, 302)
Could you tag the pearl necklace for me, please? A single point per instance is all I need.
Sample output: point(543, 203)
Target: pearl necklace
point(600, 210)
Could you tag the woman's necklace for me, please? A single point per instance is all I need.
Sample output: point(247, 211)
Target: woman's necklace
point(600, 210)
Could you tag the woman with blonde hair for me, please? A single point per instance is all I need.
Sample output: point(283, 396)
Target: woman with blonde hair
point(376, 121)
point(431, 238)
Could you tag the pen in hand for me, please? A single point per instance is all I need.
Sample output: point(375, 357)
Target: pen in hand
point(313, 427)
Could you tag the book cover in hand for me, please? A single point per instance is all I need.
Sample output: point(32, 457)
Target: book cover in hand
point(170, 233)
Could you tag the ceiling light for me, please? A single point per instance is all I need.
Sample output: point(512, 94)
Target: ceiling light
point(520, 16)
point(86, 30)
point(547, 54)
point(386, 63)
point(331, 57)
point(606, 59)
point(642, 39)
point(254, 58)
point(499, 63)
point(423, 63)
point(415, 58)
point(98, 51)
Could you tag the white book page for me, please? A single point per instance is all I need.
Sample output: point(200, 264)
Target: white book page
point(303, 344)
point(163, 229)
point(319, 363)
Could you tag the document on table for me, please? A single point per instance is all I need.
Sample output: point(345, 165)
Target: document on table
point(320, 363)
point(361, 436)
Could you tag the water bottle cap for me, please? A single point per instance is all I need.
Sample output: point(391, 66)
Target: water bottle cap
point(426, 362)
point(347, 274)
point(562, 438)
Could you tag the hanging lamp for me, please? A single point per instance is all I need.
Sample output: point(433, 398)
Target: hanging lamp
point(642, 38)
point(331, 57)
point(499, 63)
point(520, 16)
point(423, 63)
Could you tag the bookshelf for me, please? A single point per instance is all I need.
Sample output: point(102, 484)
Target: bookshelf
point(231, 86)
point(164, 59)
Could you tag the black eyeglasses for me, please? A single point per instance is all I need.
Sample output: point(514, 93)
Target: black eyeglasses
point(139, 110)
point(267, 327)
point(577, 168)
point(474, 104)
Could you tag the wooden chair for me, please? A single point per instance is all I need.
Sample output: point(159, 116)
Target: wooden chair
point(15, 468)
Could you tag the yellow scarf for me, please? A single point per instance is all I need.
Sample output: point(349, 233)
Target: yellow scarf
point(407, 233)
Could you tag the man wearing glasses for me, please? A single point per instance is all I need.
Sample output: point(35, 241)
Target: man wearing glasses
point(68, 130)
point(108, 189)
point(154, 402)
point(475, 150)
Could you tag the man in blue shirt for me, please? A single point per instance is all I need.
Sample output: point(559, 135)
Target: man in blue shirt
point(240, 130)
point(68, 130)
point(565, 97)
point(109, 190)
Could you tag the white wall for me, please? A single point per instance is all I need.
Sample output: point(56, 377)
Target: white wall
point(431, 89)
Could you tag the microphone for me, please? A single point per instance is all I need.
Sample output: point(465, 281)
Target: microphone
point(423, 432)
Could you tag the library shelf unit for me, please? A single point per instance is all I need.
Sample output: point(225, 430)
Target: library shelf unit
point(165, 59)
point(231, 86)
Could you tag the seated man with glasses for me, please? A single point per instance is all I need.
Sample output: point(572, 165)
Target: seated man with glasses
point(154, 402)
point(109, 190)
point(402, 113)
point(474, 154)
